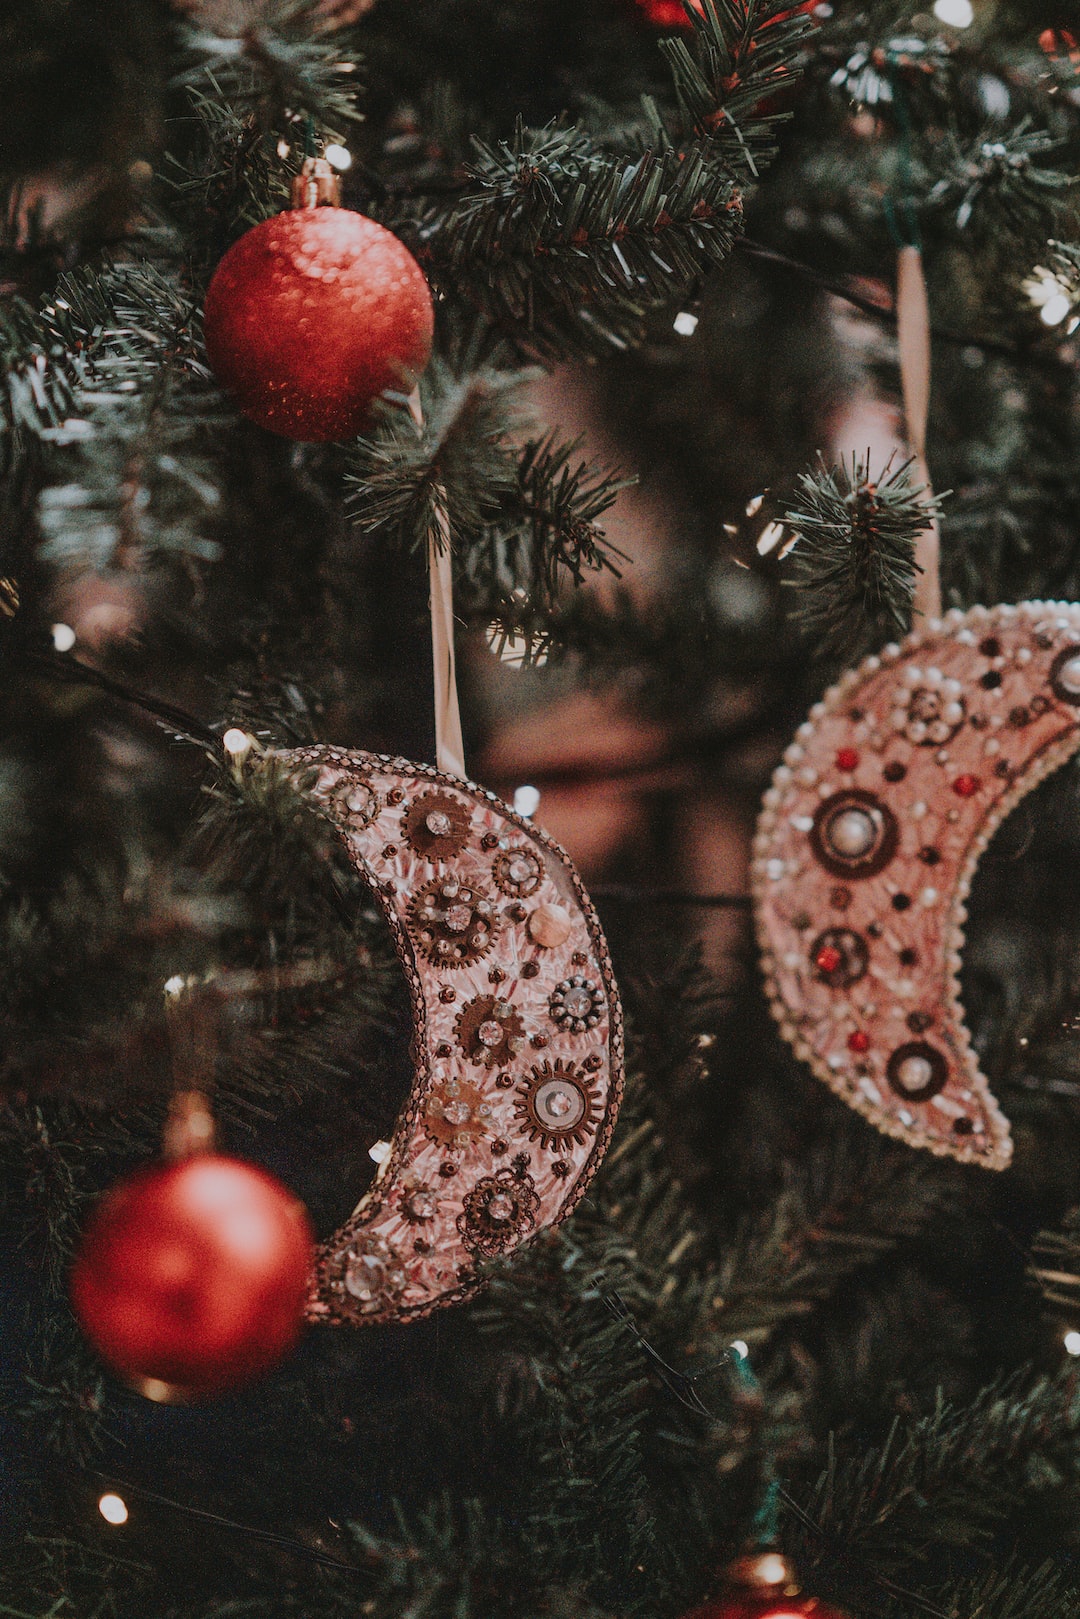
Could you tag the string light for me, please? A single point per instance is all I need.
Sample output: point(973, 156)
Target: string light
point(113, 1509)
point(1054, 310)
point(957, 13)
point(1072, 1343)
point(771, 1570)
point(1051, 297)
point(339, 156)
point(237, 744)
point(686, 324)
point(741, 1348)
point(526, 801)
point(63, 637)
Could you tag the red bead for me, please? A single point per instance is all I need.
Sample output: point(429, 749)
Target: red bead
point(964, 786)
point(828, 958)
point(311, 316)
point(192, 1276)
point(858, 1040)
point(847, 758)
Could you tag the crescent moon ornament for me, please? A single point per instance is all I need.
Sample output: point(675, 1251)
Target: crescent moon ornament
point(517, 1042)
point(867, 846)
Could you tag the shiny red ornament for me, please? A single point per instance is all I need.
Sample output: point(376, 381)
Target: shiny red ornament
point(672, 13)
point(763, 1586)
point(191, 1277)
point(847, 759)
point(311, 316)
point(749, 1605)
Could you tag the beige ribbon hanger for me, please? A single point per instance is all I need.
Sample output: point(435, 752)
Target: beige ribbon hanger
point(449, 747)
point(913, 332)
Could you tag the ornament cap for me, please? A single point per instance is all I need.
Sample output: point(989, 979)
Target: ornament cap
point(765, 1573)
point(316, 186)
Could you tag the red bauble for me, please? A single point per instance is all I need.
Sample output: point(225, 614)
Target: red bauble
point(672, 13)
point(763, 1586)
point(748, 1605)
point(311, 316)
point(666, 13)
point(191, 1277)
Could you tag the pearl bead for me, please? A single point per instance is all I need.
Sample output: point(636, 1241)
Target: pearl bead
point(1068, 676)
point(914, 1073)
point(852, 833)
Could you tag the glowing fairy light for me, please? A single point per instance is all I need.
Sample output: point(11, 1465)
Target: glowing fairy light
point(339, 156)
point(63, 637)
point(957, 13)
point(1072, 1343)
point(741, 1348)
point(526, 801)
point(237, 744)
point(113, 1509)
point(686, 324)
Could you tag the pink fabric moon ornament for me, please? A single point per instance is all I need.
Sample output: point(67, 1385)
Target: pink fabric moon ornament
point(867, 846)
point(517, 1044)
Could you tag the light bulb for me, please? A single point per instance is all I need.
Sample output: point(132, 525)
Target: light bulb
point(113, 1509)
point(957, 13)
point(237, 744)
point(526, 800)
point(686, 323)
point(63, 637)
point(741, 1348)
point(1072, 1343)
point(339, 156)
point(1055, 309)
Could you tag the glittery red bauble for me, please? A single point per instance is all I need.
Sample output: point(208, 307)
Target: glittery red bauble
point(672, 13)
point(311, 316)
point(750, 1605)
point(191, 1277)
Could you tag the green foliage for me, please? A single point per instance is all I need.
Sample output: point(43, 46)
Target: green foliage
point(522, 519)
point(854, 558)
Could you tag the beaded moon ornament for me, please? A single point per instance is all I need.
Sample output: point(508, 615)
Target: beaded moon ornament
point(517, 1044)
point(867, 846)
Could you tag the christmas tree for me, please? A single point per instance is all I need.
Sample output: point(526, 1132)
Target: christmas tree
point(660, 453)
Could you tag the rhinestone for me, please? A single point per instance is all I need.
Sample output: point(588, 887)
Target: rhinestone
point(457, 1112)
point(457, 918)
point(558, 1104)
point(422, 1205)
point(358, 799)
point(578, 1002)
point(520, 869)
point(489, 1033)
point(852, 833)
point(438, 824)
point(365, 1278)
point(500, 1207)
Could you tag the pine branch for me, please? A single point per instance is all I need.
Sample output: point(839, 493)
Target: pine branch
point(947, 1480)
point(1056, 1265)
point(995, 178)
point(565, 248)
point(743, 53)
point(282, 68)
point(523, 521)
point(855, 553)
